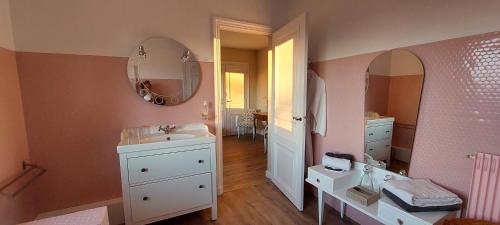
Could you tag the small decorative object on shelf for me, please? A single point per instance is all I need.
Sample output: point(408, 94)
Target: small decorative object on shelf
point(204, 113)
point(366, 179)
point(362, 195)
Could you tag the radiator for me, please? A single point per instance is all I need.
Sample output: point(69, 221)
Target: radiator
point(484, 195)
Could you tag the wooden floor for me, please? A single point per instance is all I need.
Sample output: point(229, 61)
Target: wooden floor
point(397, 165)
point(245, 162)
point(249, 198)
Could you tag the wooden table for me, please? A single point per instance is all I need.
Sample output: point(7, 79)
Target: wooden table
point(262, 116)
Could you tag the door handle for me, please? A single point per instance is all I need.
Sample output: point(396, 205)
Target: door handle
point(297, 118)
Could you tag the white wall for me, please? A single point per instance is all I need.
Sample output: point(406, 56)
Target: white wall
point(340, 28)
point(262, 76)
point(6, 38)
point(114, 27)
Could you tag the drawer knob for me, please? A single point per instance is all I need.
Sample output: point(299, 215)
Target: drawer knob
point(144, 170)
point(371, 149)
point(317, 180)
point(201, 161)
point(400, 221)
point(145, 198)
point(370, 134)
point(201, 186)
point(388, 131)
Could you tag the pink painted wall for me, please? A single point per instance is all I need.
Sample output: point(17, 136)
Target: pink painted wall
point(377, 95)
point(167, 87)
point(75, 107)
point(458, 112)
point(13, 142)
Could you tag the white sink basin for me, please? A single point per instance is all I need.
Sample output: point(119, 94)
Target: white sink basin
point(150, 137)
point(166, 137)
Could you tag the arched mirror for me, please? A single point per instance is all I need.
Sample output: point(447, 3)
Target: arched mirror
point(394, 82)
point(163, 71)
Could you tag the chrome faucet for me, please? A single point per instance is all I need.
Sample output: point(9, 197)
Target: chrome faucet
point(167, 129)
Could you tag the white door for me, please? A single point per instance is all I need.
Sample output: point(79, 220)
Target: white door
point(288, 109)
point(235, 93)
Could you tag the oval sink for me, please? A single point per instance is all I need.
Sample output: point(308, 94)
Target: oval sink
point(166, 137)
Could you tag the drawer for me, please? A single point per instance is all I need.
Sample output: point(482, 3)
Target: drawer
point(384, 132)
point(155, 167)
point(373, 133)
point(370, 133)
point(394, 216)
point(379, 150)
point(320, 181)
point(166, 197)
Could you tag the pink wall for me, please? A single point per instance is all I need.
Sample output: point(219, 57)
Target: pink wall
point(458, 113)
point(377, 95)
point(404, 98)
point(13, 141)
point(75, 107)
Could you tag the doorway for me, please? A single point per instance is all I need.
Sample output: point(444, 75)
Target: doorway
point(244, 70)
point(286, 104)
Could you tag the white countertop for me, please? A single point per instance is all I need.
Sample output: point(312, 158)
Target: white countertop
point(139, 138)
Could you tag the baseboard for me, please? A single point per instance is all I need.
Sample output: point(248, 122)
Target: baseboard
point(401, 154)
point(115, 210)
point(268, 174)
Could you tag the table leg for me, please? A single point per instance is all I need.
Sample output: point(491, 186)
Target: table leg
point(342, 209)
point(321, 206)
point(254, 127)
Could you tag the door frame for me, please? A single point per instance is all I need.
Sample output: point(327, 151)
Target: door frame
point(220, 24)
point(247, 86)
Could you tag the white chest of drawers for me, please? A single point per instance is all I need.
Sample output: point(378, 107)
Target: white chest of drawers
point(165, 179)
point(378, 138)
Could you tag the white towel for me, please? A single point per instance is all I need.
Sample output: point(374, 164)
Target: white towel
point(421, 192)
point(336, 163)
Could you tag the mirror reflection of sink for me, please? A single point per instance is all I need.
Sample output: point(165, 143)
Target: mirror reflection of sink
point(166, 137)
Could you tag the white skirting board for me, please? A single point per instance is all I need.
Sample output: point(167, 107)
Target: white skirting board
point(401, 154)
point(115, 210)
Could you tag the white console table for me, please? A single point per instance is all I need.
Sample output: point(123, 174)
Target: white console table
point(384, 210)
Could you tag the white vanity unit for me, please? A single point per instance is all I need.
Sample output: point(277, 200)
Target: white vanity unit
point(167, 174)
point(378, 138)
point(384, 210)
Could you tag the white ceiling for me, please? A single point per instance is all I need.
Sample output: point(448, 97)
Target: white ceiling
point(243, 41)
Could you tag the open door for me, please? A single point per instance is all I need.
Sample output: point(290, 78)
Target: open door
point(288, 109)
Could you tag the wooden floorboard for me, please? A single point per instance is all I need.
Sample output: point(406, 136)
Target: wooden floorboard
point(244, 162)
point(249, 197)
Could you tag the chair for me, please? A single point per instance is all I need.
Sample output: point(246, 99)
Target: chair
point(245, 120)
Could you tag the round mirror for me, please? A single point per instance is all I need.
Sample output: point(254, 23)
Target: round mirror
point(394, 82)
point(163, 71)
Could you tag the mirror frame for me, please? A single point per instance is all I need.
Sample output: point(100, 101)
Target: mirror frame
point(417, 113)
point(139, 47)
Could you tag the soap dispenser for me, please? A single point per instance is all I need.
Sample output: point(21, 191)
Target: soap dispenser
point(204, 112)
